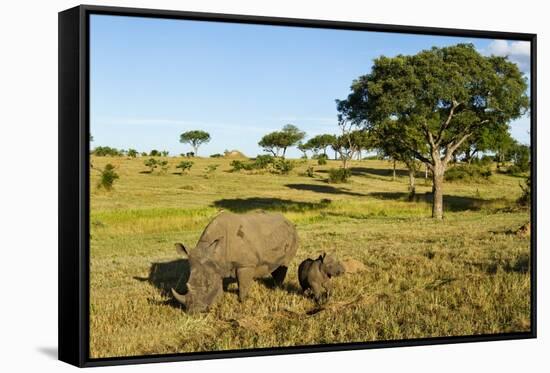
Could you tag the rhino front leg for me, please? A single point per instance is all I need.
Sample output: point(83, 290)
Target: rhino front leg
point(279, 275)
point(244, 280)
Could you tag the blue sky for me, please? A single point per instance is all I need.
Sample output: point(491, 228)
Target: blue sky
point(152, 79)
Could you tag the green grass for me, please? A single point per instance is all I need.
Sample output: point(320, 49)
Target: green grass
point(466, 275)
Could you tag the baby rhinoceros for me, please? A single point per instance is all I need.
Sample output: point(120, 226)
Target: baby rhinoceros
point(315, 274)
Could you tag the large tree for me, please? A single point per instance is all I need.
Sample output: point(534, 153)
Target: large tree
point(279, 141)
point(195, 138)
point(438, 99)
point(320, 142)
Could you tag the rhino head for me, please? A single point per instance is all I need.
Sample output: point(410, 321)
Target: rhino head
point(331, 266)
point(204, 285)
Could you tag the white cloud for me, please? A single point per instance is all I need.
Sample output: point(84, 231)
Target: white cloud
point(517, 51)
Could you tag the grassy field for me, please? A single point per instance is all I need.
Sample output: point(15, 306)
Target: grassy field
point(468, 274)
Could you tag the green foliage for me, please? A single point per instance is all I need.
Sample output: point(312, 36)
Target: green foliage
point(339, 175)
point(151, 163)
point(320, 143)
point(238, 165)
point(525, 198)
point(310, 172)
point(521, 155)
point(283, 166)
point(144, 154)
point(468, 173)
point(164, 153)
point(278, 141)
point(263, 160)
point(216, 155)
point(195, 138)
point(322, 159)
point(211, 168)
point(106, 151)
point(132, 153)
point(154, 153)
point(107, 177)
point(185, 166)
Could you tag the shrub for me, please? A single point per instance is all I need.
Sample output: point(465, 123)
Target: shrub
point(283, 166)
point(338, 175)
point(151, 163)
point(132, 153)
point(217, 155)
point(309, 171)
point(468, 173)
point(210, 169)
point(262, 161)
point(184, 166)
point(525, 198)
point(106, 151)
point(107, 177)
point(154, 153)
point(240, 165)
point(165, 153)
point(322, 159)
point(163, 166)
point(190, 154)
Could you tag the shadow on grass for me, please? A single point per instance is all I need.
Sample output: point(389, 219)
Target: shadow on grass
point(450, 203)
point(269, 283)
point(167, 275)
point(269, 204)
point(324, 189)
point(388, 172)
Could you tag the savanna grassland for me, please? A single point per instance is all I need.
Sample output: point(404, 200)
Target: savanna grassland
point(468, 274)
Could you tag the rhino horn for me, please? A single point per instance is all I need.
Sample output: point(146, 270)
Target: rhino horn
point(181, 250)
point(180, 298)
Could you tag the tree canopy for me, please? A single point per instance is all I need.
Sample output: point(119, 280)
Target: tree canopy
point(195, 138)
point(278, 142)
point(436, 100)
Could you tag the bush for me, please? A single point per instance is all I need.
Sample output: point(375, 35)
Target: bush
point(322, 159)
point(262, 161)
point(237, 165)
point(338, 175)
point(210, 169)
point(184, 166)
point(151, 163)
point(217, 155)
point(525, 199)
point(154, 153)
point(468, 173)
point(283, 166)
point(309, 171)
point(108, 177)
point(106, 151)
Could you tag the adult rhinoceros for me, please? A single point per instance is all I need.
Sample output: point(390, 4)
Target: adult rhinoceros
point(241, 246)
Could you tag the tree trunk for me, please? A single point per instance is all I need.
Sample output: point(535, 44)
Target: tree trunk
point(412, 186)
point(195, 150)
point(284, 152)
point(426, 171)
point(393, 175)
point(437, 205)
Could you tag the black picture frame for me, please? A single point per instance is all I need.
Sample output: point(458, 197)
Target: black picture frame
point(74, 183)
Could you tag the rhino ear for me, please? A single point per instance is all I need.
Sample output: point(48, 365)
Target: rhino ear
point(181, 250)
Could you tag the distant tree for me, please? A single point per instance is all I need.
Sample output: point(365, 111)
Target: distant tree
point(520, 155)
point(278, 142)
point(106, 151)
point(164, 153)
point(320, 142)
point(195, 138)
point(303, 147)
point(144, 154)
point(438, 98)
point(154, 153)
point(132, 153)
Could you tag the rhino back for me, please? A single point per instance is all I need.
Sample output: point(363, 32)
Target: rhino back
point(248, 240)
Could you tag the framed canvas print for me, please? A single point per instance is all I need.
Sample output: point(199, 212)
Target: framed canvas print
point(233, 186)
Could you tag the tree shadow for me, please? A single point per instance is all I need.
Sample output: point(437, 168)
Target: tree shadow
point(450, 202)
point(324, 189)
point(269, 204)
point(387, 172)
